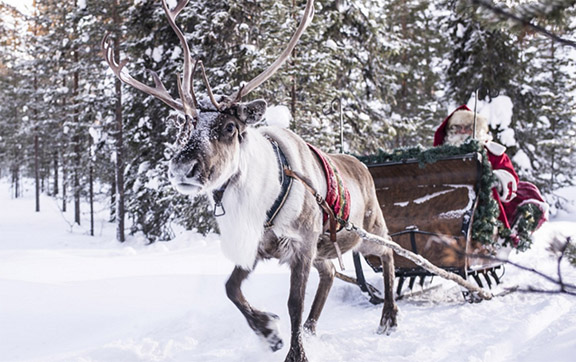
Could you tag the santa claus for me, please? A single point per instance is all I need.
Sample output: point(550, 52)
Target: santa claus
point(509, 192)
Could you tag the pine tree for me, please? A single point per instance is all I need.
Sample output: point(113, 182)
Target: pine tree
point(546, 135)
point(417, 68)
point(12, 52)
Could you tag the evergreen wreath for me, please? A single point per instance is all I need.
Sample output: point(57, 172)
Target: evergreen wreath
point(527, 218)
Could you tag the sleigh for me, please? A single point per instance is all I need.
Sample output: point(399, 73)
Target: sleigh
point(429, 210)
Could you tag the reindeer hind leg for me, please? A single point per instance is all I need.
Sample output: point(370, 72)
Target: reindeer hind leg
point(326, 271)
point(389, 310)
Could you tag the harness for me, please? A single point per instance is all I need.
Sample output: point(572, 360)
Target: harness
point(285, 182)
point(336, 205)
point(337, 195)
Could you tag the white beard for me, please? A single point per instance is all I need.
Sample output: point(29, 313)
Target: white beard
point(455, 139)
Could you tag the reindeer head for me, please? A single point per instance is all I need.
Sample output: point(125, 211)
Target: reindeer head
point(211, 135)
point(210, 155)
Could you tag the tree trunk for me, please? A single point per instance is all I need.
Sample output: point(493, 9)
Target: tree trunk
point(36, 148)
point(120, 233)
point(56, 186)
point(113, 200)
point(77, 148)
point(65, 143)
point(16, 181)
point(91, 196)
point(292, 65)
point(64, 183)
point(36, 165)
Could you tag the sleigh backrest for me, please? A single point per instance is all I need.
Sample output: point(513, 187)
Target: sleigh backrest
point(429, 208)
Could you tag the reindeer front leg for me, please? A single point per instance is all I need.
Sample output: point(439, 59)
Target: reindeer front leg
point(300, 270)
point(263, 323)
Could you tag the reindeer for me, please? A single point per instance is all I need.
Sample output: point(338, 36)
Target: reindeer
point(244, 170)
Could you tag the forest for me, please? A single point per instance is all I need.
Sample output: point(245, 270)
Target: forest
point(392, 70)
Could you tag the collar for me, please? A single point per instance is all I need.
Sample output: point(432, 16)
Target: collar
point(285, 182)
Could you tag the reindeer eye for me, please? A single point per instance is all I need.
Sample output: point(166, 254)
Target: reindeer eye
point(230, 127)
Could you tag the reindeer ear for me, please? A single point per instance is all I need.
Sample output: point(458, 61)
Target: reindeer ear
point(252, 112)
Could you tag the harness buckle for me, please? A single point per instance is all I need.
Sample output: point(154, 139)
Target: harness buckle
point(219, 209)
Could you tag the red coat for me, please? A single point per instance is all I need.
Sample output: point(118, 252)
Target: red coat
point(517, 193)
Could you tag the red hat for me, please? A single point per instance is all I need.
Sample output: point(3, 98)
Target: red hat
point(441, 131)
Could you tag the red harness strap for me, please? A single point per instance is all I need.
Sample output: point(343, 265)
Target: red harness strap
point(337, 195)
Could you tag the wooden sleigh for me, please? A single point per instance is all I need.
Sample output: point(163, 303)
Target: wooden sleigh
point(429, 210)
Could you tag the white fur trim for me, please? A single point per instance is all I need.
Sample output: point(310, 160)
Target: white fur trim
point(507, 185)
point(496, 148)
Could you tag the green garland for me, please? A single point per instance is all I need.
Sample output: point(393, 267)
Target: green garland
point(423, 157)
point(486, 213)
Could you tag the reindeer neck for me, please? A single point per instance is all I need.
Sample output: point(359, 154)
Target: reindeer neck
point(247, 199)
point(257, 177)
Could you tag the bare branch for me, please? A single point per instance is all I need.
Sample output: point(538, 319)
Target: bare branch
point(501, 12)
point(423, 263)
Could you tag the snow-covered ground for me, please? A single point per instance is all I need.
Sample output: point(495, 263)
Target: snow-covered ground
point(67, 296)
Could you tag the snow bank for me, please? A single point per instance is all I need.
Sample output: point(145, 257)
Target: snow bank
point(66, 296)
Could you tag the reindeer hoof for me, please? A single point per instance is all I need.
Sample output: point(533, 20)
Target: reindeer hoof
point(276, 345)
point(310, 327)
point(388, 321)
point(387, 327)
point(273, 337)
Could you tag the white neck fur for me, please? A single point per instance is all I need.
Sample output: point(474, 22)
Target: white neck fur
point(247, 199)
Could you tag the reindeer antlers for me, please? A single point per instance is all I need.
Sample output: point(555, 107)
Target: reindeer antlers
point(159, 91)
point(185, 86)
point(188, 103)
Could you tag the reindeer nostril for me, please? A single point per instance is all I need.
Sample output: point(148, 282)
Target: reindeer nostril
point(193, 171)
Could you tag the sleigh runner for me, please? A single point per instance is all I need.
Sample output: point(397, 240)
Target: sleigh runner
point(430, 208)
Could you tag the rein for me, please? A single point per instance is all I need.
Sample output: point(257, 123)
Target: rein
point(285, 182)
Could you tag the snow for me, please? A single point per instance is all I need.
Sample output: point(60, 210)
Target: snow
point(24, 6)
point(498, 112)
point(522, 160)
point(68, 296)
point(278, 115)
